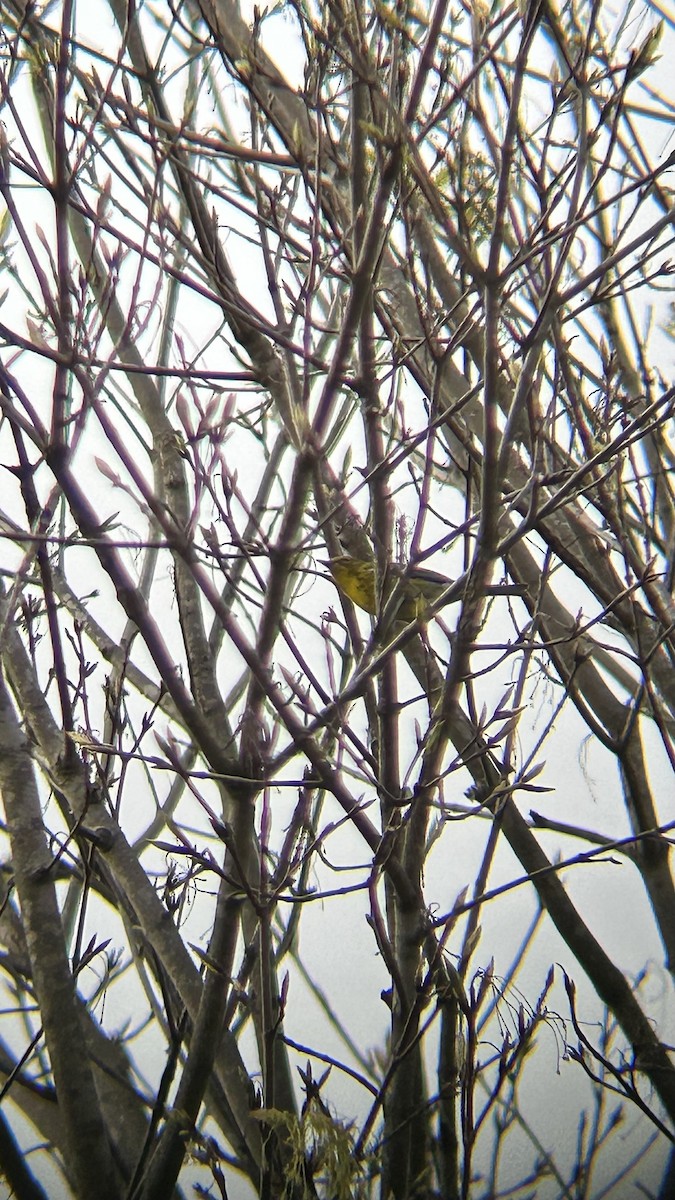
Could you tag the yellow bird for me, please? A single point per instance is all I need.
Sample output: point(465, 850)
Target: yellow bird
point(419, 588)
